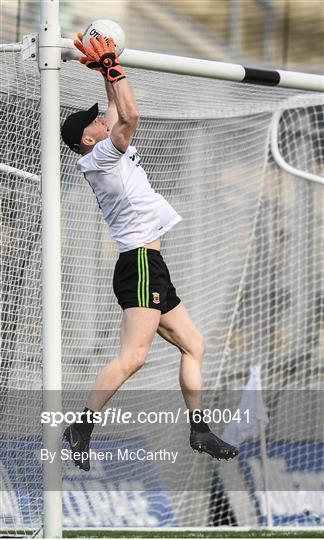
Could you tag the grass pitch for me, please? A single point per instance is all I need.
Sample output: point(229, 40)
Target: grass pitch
point(194, 534)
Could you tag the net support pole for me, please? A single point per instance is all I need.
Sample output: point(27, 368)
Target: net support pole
point(49, 59)
point(19, 173)
point(264, 461)
point(280, 160)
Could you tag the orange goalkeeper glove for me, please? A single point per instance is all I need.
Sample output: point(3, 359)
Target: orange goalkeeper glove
point(88, 59)
point(102, 57)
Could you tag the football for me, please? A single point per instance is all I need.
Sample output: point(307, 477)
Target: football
point(107, 28)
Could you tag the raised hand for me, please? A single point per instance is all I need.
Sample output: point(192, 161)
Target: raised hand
point(101, 56)
point(91, 59)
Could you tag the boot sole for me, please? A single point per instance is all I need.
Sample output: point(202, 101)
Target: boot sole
point(200, 447)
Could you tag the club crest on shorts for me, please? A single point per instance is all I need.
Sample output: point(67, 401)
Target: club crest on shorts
point(156, 297)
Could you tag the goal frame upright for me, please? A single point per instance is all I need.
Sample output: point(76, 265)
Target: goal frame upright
point(49, 63)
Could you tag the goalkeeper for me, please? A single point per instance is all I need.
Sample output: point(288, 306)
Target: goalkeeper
point(137, 217)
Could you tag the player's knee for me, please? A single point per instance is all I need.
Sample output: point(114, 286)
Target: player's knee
point(137, 361)
point(198, 346)
point(134, 361)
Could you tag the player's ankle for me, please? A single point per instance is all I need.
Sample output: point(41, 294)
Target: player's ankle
point(85, 427)
point(197, 422)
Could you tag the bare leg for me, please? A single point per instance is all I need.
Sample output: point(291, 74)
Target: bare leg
point(138, 329)
point(177, 327)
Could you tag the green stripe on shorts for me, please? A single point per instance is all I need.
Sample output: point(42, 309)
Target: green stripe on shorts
point(139, 277)
point(147, 278)
point(143, 278)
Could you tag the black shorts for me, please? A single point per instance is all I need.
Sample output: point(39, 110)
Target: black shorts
point(142, 279)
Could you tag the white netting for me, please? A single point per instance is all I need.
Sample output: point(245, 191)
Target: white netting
point(247, 262)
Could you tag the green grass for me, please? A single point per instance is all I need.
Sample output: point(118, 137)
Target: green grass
point(193, 534)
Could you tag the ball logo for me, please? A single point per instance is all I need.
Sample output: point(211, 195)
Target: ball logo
point(107, 29)
point(156, 298)
point(94, 33)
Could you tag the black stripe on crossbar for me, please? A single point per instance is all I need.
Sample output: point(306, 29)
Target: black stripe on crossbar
point(268, 77)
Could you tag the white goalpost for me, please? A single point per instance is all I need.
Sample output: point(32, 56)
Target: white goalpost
point(239, 152)
point(49, 62)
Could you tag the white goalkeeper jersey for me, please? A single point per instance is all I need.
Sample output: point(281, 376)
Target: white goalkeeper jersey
point(135, 213)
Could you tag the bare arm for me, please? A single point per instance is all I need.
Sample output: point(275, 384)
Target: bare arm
point(128, 115)
point(104, 56)
point(111, 113)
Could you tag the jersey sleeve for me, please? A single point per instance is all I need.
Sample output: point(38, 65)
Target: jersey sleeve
point(105, 154)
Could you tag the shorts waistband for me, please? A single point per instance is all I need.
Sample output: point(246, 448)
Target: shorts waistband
point(155, 252)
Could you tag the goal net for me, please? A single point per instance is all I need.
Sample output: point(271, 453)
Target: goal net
point(247, 261)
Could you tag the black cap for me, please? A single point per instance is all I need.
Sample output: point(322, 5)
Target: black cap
point(74, 125)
